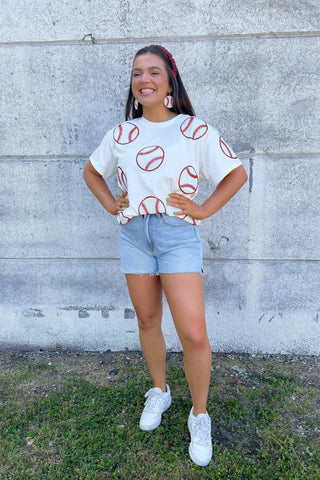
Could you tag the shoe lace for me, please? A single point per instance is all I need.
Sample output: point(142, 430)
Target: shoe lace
point(154, 400)
point(202, 431)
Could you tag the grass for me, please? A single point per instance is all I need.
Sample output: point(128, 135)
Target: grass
point(265, 423)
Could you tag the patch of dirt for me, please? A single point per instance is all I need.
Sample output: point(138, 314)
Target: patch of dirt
point(109, 368)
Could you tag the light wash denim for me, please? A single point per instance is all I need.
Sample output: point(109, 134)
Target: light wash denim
point(160, 243)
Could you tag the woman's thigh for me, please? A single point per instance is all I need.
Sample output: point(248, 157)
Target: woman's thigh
point(184, 293)
point(146, 295)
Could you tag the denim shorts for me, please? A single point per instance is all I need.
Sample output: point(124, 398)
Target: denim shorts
point(159, 243)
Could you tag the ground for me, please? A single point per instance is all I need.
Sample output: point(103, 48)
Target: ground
point(265, 412)
point(112, 368)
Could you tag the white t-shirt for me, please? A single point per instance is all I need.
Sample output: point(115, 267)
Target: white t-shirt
point(154, 159)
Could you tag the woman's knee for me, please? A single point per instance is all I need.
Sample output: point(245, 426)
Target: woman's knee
point(149, 320)
point(195, 338)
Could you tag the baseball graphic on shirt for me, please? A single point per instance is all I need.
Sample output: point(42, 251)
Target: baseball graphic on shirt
point(122, 179)
point(151, 205)
point(122, 219)
point(188, 180)
point(125, 133)
point(193, 128)
point(226, 150)
point(150, 158)
point(188, 218)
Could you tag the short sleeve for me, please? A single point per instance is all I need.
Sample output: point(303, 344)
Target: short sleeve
point(103, 159)
point(217, 158)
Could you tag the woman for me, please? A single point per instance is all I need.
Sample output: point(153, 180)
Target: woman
point(160, 156)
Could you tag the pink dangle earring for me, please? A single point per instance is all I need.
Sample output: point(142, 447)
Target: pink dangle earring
point(136, 104)
point(168, 101)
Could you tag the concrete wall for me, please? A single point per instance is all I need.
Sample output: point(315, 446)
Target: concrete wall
point(252, 68)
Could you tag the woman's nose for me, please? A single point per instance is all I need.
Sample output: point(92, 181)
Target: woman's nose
point(145, 77)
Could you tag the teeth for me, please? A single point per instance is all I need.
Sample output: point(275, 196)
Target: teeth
point(146, 90)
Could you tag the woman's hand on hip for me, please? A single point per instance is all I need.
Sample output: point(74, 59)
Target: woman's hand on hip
point(185, 206)
point(121, 203)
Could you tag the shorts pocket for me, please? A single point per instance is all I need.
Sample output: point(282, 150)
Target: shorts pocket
point(196, 232)
point(174, 221)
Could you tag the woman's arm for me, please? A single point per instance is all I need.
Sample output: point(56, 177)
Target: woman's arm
point(226, 189)
point(101, 191)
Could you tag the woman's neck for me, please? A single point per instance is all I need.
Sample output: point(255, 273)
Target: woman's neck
point(158, 115)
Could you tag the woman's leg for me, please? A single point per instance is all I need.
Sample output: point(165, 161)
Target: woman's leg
point(184, 293)
point(146, 296)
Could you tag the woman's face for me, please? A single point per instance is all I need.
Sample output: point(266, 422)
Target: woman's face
point(150, 83)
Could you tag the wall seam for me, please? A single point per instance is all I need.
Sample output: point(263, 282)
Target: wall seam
point(102, 41)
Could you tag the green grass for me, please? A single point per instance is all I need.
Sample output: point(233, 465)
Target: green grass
point(90, 431)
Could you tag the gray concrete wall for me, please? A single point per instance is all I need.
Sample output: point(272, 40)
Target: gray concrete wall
point(252, 68)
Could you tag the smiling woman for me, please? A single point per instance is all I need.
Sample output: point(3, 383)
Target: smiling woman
point(150, 86)
point(180, 100)
point(161, 154)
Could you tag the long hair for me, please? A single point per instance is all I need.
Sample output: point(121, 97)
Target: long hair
point(181, 101)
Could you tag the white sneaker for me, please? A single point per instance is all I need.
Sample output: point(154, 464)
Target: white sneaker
point(200, 448)
point(157, 402)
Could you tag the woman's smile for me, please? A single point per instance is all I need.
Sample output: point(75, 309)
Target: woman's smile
point(150, 84)
point(146, 91)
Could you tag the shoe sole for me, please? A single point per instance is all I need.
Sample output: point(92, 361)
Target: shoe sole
point(153, 426)
point(196, 461)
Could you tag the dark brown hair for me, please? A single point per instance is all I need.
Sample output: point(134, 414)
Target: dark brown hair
point(181, 101)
